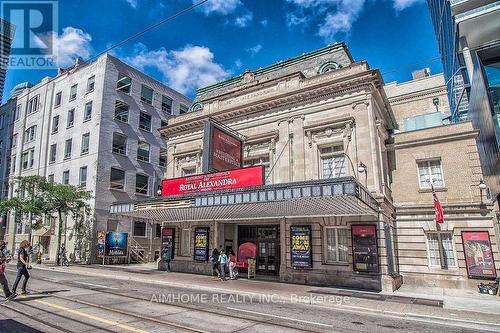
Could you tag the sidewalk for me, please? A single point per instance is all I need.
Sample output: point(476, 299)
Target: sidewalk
point(460, 307)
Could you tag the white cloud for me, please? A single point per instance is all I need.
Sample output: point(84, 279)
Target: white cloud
point(238, 63)
point(243, 20)
point(264, 23)
point(341, 21)
point(184, 70)
point(403, 4)
point(222, 7)
point(132, 3)
point(71, 44)
point(254, 49)
point(292, 19)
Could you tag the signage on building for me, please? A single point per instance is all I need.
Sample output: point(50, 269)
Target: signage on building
point(101, 243)
point(478, 255)
point(222, 150)
point(300, 247)
point(364, 248)
point(201, 241)
point(168, 243)
point(116, 244)
point(245, 177)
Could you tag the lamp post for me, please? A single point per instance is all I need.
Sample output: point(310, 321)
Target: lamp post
point(482, 187)
point(363, 169)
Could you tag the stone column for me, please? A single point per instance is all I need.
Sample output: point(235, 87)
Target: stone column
point(298, 146)
point(281, 170)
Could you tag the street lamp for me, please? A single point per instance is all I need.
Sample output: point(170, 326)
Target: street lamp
point(363, 169)
point(482, 187)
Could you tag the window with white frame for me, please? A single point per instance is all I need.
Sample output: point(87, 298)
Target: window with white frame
point(121, 111)
point(430, 171)
point(72, 92)
point(82, 182)
point(13, 141)
point(50, 178)
point(65, 177)
point(117, 179)
point(87, 113)
point(124, 83)
point(58, 99)
point(17, 112)
point(183, 109)
point(53, 153)
point(68, 147)
point(33, 104)
point(91, 83)
point(143, 151)
point(71, 118)
point(141, 184)
point(163, 157)
point(332, 162)
point(145, 122)
point(119, 143)
point(28, 159)
point(146, 95)
point(337, 244)
point(260, 160)
point(30, 134)
point(445, 240)
point(166, 104)
point(55, 124)
point(185, 242)
point(85, 144)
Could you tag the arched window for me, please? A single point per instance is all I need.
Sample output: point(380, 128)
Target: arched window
point(328, 67)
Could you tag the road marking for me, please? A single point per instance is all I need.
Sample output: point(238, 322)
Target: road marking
point(280, 317)
point(102, 320)
point(96, 285)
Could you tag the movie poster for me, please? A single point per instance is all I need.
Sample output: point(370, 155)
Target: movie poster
point(116, 244)
point(101, 243)
point(168, 241)
point(201, 241)
point(300, 247)
point(364, 248)
point(478, 255)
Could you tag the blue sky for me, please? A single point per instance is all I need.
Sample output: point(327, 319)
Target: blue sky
point(222, 38)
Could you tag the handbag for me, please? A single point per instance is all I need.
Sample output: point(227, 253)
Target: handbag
point(2, 268)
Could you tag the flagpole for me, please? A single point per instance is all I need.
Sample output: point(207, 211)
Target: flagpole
point(438, 229)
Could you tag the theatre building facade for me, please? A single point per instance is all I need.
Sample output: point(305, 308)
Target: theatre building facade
point(294, 158)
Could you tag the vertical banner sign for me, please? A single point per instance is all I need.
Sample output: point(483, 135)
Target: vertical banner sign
point(116, 244)
point(201, 240)
point(101, 243)
point(300, 247)
point(222, 151)
point(364, 248)
point(168, 241)
point(478, 255)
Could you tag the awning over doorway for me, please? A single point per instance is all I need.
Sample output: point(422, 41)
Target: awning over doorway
point(332, 197)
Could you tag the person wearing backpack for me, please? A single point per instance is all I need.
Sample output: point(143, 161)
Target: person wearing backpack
point(223, 263)
point(4, 258)
point(214, 260)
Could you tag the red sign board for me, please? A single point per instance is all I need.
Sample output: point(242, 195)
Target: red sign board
point(478, 255)
point(226, 151)
point(238, 178)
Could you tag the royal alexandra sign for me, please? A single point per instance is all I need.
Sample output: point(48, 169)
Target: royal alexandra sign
point(245, 177)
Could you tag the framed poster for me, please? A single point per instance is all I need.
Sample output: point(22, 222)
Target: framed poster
point(364, 248)
point(168, 241)
point(300, 247)
point(101, 243)
point(201, 241)
point(478, 255)
point(222, 150)
point(116, 244)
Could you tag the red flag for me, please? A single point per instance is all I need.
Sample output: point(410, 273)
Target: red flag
point(437, 208)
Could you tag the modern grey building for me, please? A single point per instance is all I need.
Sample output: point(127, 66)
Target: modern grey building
point(6, 127)
point(468, 36)
point(6, 36)
point(95, 126)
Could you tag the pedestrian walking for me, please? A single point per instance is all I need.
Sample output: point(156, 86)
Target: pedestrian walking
point(214, 259)
point(23, 266)
point(167, 256)
point(223, 263)
point(4, 258)
point(63, 260)
point(232, 265)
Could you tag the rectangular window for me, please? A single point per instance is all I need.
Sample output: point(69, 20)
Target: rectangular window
point(185, 242)
point(166, 104)
point(72, 92)
point(145, 122)
point(85, 143)
point(117, 179)
point(82, 182)
point(158, 230)
point(146, 95)
point(141, 184)
point(53, 153)
point(55, 124)
point(163, 157)
point(332, 162)
point(25, 160)
point(58, 99)
point(119, 143)
point(143, 151)
point(121, 111)
point(50, 178)
point(183, 109)
point(34, 104)
point(2, 121)
point(434, 239)
point(124, 83)
point(87, 114)
point(90, 83)
point(71, 118)
point(30, 134)
point(430, 171)
point(139, 229)
point(13, 142)
point(337, 245)
point(17, 112)
point(65, 177)
point(67, 148)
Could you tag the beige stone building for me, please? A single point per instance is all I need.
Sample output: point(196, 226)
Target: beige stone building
point(426, 147)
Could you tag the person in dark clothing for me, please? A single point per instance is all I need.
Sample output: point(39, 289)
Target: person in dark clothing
point(22, 267)
point(214, 259)
point(4, 258)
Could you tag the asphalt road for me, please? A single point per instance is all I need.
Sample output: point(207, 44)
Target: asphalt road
point(63, 302)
